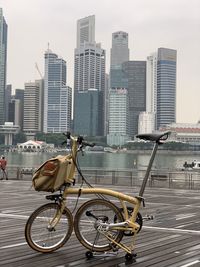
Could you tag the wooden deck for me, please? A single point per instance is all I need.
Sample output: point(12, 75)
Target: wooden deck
point(171, 239)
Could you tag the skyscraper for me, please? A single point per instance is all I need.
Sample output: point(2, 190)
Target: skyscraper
point(147, 120)
point(31, 109)
point(166, 86)
point(57, 96)
point(8, 93)
point(119, 53)
point(118, 117)
point(19, 94)
point(135, 72)
point(85, 30)
point(89, 69)
point(89, 72)
point(3, 63)
point(151, 83)
point(86, 122)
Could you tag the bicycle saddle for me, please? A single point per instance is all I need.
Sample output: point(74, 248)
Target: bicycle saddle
point(154, 136)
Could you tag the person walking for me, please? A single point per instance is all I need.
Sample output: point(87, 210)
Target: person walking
point(3, 163)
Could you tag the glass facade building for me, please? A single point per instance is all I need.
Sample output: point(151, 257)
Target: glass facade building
point(57, 96)
point(88, 113)
point(89, 80)
point(135, 72)
point(119, 53)
point(166, 86)
point(3, 63)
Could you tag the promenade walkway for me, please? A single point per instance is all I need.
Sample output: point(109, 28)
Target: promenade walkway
point(171, 239)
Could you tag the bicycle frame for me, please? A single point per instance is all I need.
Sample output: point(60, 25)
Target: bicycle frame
point(129, 221)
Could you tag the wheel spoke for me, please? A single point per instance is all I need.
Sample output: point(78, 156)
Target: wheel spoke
point(39, 232)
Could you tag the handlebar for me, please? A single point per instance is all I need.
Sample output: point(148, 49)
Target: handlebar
point(80, 140)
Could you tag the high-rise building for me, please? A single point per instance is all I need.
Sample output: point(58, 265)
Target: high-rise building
point(166, 86)
point(15, 111)
point(31, 109)
point(19, 94)
point(88, 113)
point(85, 30)
point(119, 51)
point(135, 72)
point(147, 120)
point(151, 83)
point(119, 54)
point(3, 63)
point(89, 70)
point(57, 96)
point(8, 93)
point(118, 117)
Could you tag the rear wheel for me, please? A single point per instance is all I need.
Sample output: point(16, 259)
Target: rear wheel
point(41, 236)
point(89, 217)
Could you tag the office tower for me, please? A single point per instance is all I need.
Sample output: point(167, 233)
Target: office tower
point(40, 84)
point(8, 93)
point(85, 30)
point(3, 63)
point(89, 71)
point(118, 117)
point(19, 94)
point(146, 122)
point(135, 72)
point(88, 113)
point(57, 96)
point(119, 51)
point(166, 87)
point(151, 83)
point(119, 54)
point(31, 109)
point(15, 111)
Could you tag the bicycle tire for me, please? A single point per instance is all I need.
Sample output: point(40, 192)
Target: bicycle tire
point(87, 218)
point(40, 237)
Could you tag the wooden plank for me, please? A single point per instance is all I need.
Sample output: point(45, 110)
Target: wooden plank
point(164, 241)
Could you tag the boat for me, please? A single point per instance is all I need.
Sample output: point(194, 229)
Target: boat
point(194, 165)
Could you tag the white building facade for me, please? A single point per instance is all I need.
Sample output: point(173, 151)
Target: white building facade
point(118, 117)
point(146, 122)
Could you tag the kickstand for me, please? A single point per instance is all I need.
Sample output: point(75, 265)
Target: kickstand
point(90, 254)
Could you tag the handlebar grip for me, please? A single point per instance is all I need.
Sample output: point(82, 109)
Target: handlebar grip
point(67, 134)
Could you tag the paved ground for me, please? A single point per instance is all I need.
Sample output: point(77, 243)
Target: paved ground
point(171, 239)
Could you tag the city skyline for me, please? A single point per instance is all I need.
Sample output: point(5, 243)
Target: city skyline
point(149, 25)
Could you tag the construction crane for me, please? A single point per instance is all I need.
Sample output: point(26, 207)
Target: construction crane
point(37, 68)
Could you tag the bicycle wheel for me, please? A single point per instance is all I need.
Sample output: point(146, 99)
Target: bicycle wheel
point(86, 222)
point(43, 238)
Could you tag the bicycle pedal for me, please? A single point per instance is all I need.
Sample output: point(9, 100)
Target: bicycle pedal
point(148, 218)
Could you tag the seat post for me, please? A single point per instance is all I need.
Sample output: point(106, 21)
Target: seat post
point(148, 169)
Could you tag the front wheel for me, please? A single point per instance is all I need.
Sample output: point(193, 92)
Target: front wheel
point(87, 224)
point(38, 231)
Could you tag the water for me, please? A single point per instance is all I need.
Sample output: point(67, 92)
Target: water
point(103, 160)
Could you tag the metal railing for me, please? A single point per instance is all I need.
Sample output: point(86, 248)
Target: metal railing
point(124, 177)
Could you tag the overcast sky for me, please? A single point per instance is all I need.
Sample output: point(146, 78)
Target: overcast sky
point(151, 24)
